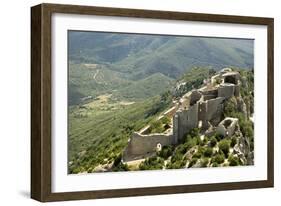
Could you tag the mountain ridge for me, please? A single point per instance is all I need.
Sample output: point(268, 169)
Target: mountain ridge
point(124, 61)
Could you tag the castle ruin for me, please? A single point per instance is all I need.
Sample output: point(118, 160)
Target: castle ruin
point(199, 108)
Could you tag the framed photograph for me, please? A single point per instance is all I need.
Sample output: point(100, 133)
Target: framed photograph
point(130, 102)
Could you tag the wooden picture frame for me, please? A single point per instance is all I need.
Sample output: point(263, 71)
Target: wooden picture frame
point(41, 161)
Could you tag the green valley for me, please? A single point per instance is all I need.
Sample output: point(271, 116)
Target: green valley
point(120, 83)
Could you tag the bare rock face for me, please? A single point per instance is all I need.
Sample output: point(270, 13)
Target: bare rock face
point(250, 158)
point(103, 168)
point(198, 164)
point(241, 106)
point(242, 148)
point(210, 131)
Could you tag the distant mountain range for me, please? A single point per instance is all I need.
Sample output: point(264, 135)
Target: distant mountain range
point(139, 64)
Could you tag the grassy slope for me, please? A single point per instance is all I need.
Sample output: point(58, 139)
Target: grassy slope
point(100, 130)
point(145, 88)
point(86, 81)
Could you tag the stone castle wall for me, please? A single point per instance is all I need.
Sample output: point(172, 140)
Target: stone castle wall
point(226, 90)
point(142, 144)
point(204, 107)
point(184, 121)
point(214, 108)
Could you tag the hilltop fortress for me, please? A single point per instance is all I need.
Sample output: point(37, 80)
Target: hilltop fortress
point(200, 108)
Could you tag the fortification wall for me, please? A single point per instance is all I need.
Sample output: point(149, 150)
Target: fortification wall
point(194, 97)
point(202, 113)
point(227, 131)
point(237, 90)
point(192, 119)
point(226, 90)
point(214, 108)
point(204, 105)
point(176, 128)
point(143, 144)
point(186, 120)
point(213, 92)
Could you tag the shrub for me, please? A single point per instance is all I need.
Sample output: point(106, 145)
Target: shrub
point(215, 164)
point(206, 139)
point(166, 152)
point(197, 155)
point(176, 165)
point(213, 141)
point(252, 145)
point(156, 127)
point(218, 158)
point(192, 162)
point(176, 157)
point(182, 149)
point(204, 162)
point(199, 141)
point(219, 137)
point(187, 138)
point(195, 132)
point(246, 128)
point(233, 142)
point(165, 120)
point(121, 167)
point(208, 152)
point(199, 152)
point(152, 163)
point(224, 146)
point(117, 160)
point(230, 107)
point(233, 160)
point(190, 142)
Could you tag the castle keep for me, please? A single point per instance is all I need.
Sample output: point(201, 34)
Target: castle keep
point(201, 108)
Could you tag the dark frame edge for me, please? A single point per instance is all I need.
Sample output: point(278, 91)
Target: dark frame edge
point(158, 14)
point(40, 103)
point(270, 102)
point(36, 138)
point(166, 190)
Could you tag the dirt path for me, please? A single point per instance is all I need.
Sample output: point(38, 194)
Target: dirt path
point(95, 75)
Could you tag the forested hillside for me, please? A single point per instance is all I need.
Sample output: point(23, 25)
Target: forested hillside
point(129, 65)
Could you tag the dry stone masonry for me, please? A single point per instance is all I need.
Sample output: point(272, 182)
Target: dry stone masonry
point(199, 108)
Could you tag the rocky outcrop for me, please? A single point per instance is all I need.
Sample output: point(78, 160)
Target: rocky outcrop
point(242, 148)
point(202, 108)
point(241, 106)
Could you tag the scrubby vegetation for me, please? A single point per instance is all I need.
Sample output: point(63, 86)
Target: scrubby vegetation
point(100, 128)
point(233, 160)
point(247, 94)
point(101, 135)
point(218, 159)
point(166, 152)
point(152, 163)
point(224, 146)
point(160, 125)
point(193, 79)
